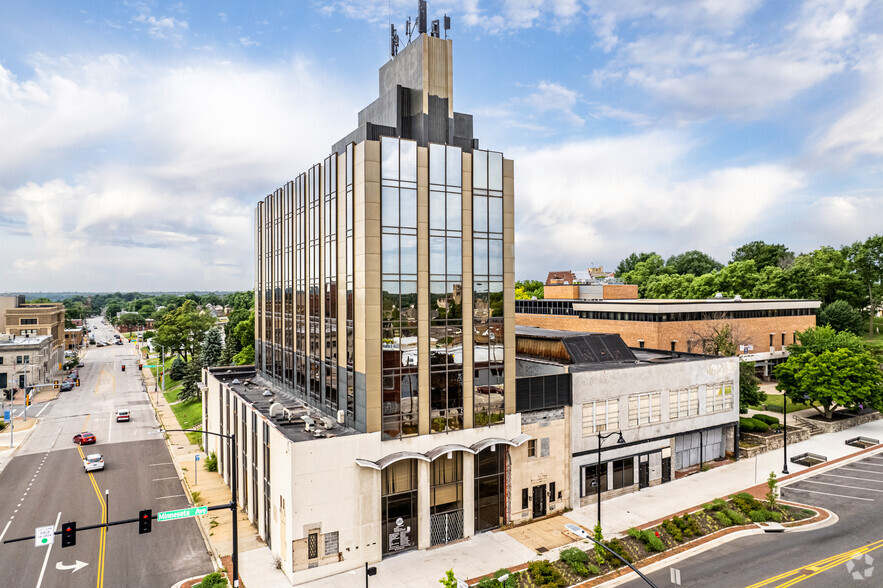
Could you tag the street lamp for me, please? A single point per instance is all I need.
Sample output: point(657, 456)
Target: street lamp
point(234, 503)
point(23, 369)
point(785, 433)
point(580, 532)
point(601, 439)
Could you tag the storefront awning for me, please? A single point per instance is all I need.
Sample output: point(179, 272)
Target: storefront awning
point(437, 452)
point(434, 454)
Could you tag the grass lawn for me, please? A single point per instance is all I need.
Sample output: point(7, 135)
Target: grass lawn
point(189, 415)
point(774, 403)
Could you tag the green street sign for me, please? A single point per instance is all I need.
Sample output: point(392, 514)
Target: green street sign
point(172, 515)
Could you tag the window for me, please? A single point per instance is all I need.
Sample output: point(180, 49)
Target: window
point(641, 344)
point(623, 473)
point(544, 447)
point(673, 345)
point(532, 448)
point(683, 403)
point(600, 415)
point(18, 359)
point(525, 500)
point(718, 397)
point(332, 544)
point(644, 408)
point(1, 360)
point(552, 492)
point(794, 337)
point(771, 339)
point(590, 480)
point(28, 321)
point(313, 545)
point(28, 332)
point(783, 339)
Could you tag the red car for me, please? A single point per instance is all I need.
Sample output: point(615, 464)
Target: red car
point(84, 438)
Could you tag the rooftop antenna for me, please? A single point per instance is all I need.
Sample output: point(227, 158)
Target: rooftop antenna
point(447, 25)
point(421, 16)
point(393, 41)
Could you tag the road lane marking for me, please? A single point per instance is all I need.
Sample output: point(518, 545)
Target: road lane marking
point(810, 570)
point(42, 409)
point(170, 478)
point(6, 528)
point(852, 477)
point(173, 496)
point(843, 486)
point(102, 541)
point(161, 464)
point(828, 494)
point(48, 550)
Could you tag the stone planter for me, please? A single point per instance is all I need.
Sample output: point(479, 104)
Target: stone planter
point(764, 443)
point(835, 425)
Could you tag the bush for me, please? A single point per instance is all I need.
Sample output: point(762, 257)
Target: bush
point(673, 530)
point(746, 425)
point(211, 462)
point(765, 418)
point(775, 516)
point(715, 505)
point(592, 569)
point(723, 519)
point(635, 534)
point(544, 574)
point(177, 370)
point(213, 580)
point(758, 516)
point(577, 559)
point(652, 542)
point(746, 502)
point(760, 426)
point(735, 516)
point(618, 548)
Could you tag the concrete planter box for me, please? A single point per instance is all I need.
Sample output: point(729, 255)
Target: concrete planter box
point(796, 434)
point(836, 425)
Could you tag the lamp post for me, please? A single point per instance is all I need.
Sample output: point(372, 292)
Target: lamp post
point(23, 370)
point(234, 503)
point(785, 433)
point(601, 439)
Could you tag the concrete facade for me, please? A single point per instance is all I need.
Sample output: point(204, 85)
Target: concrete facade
point(25, 357)
point(28, 320)
point(541, 466)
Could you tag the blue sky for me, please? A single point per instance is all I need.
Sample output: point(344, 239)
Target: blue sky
point(137, 136)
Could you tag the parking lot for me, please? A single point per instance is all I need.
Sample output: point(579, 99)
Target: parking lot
point(859, 482)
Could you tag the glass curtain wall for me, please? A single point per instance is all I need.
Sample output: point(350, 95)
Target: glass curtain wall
point(329, 235)
point(399, 506)
point(446, 288)
point(490, 467)
point(487, 259)
point(277, 284)
point(288, 284)
point(314, 277)
point(259, 276)
point(350, 286)
point(300, 284)
point(399, 284)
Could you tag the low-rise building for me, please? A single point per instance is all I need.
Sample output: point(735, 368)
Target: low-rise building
point(73, 339)
point(30, 320)
point(25, 361)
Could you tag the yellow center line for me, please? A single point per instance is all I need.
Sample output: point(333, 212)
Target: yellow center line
point(102, 541)
point(808, 571)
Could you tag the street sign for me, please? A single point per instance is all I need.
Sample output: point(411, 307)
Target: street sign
point(7, 415)
point(197, 458)
point(171, 515)
point(44, 536)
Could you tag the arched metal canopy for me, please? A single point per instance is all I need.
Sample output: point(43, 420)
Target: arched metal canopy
point(437, 452)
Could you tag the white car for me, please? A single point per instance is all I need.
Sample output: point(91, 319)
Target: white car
point(123, 416)
point(93, 462)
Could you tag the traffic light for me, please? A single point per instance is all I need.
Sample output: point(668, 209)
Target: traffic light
point(68, 534)
point(145, 519)
point(140, 366)
point(78, 381)
point(55, 384)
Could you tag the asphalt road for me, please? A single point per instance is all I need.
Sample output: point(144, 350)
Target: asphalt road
point(852, 491)
point(46, 485)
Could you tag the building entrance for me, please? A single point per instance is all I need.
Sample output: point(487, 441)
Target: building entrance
point(539, 501)
point(399, 506)
point(489, 488)
point(446, 499)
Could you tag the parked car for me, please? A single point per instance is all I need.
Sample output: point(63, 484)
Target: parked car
point(67, 387)
point(123, 416)
point(81, 364)
point(119, 342)
point(93, 462)
point(84, 438)
point(74, 374)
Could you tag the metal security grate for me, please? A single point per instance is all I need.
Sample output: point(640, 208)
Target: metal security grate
point(446, 527)
point(312, 546)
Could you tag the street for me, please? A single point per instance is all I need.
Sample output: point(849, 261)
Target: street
point(45, 484)
point(807, 558)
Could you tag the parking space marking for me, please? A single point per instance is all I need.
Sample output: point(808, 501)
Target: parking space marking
point(852, 477)
point(844, 486)
point(852, 469)
point(827, 493)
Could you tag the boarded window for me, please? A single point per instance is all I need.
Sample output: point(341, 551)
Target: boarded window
point(332, 546)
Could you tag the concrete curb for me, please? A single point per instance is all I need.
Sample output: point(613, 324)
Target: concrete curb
point(18, 445)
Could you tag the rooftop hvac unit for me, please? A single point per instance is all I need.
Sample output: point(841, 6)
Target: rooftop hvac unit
point(341, 417)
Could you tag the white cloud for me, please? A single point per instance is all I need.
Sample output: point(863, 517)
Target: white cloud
point(597, 199)
point(162, 27)
point(222, 16)
point(247, 42)
point(166, 201)
point(551, 96)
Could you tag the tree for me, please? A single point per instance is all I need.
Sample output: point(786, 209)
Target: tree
point(450, 580)
point(176, 372)
point(718, 337)
point(190, 384)
point(840, 316)
point(644, 271)
point(629, 263)
point(866, 260)
point(528, 289)
point(212, 349)
point(750, 393)
point(824, 274)
point(693, 262)
point(245, 333)
point(832, 379)
point(819, 339)
point(763, 254)
point(182, 330)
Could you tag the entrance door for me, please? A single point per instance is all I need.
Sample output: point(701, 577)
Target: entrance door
point(539, 501)
point(643, 474)
point(666, 469)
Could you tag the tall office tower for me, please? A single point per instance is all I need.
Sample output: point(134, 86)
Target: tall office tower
point(384, 293)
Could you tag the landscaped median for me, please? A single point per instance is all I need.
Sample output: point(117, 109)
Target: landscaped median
point(589, 565)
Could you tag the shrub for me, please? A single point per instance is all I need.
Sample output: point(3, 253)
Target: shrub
point(213, 580)
point(635, 534)
point(544, 573)
point(765, 418)
point(715, 505)
point(577, 559)
point(746, 502)
point(672, 530)
point(772, 494)
point(592, 569)
point(618, 548)
point(211, 462)
point(775, 516)
point(746, 425)
point(693, 526)
point(723, 519)
point(652, 542)
point(734, 515)
point(760, 426)
point(758, 516)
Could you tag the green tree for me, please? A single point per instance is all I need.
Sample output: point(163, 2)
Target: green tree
point(245, 333)
point(824, 274)
point(693, 262)
point(668, 286)
point(750, 393)
point(832, 379)
point(176, 372)
point(840, 316)
point(644, 272)
point(866, 260)
point(528, 289)
point(212, 348)
point(450, 580)
point(628, 264)
point(763, 254)
point(190, 384)
point(819, 339)
point(182, 330)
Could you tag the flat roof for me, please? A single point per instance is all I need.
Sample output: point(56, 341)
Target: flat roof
point(288, 410)
point(680, 305)
point(36, 340)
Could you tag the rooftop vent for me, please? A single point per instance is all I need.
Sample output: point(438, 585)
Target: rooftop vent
point(737, 298)
point(266, 393)
point(235, 381)
point(276, 409)
point(719, 295)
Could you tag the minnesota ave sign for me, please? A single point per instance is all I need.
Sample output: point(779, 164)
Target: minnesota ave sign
point(171, 515)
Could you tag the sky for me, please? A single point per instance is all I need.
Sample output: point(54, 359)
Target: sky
point(137, 137)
